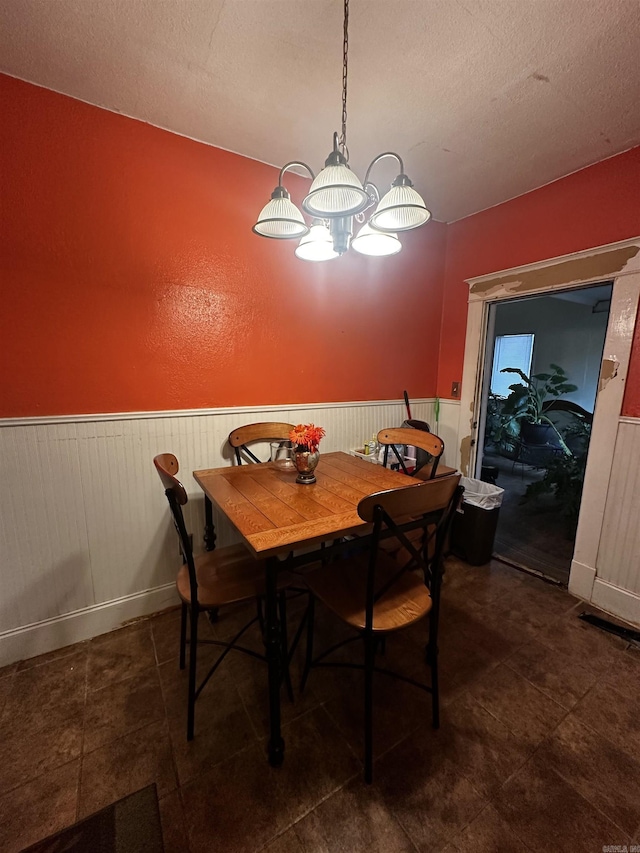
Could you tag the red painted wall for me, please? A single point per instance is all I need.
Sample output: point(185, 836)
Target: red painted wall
point(131, 280)
point(595, 206)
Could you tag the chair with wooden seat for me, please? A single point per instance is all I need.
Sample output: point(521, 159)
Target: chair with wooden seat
point(376, 595)
point(212, 580)
point(429, 447)
point(241, 437)
point(432, 445)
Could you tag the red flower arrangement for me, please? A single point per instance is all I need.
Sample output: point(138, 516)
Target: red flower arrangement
point(307, 437)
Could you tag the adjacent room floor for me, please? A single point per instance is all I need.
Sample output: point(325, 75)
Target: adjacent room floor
point(538, 750)
point(533, 535)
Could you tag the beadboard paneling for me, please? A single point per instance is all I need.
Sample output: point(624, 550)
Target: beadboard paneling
point(85, 520)
point(448, 428)
point(46, 559)
point(618, 560)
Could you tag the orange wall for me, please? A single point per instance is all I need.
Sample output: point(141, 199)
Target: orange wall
point(595, 206)
point(131, 280)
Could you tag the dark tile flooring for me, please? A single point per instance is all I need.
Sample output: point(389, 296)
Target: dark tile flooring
point(538, 749)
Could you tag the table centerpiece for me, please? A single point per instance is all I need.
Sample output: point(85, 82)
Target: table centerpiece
point(306, 439)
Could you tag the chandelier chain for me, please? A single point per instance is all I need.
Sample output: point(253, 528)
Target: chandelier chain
point(345, 66)
point(336, 199)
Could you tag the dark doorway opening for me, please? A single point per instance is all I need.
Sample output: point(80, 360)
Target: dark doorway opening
point(542, 367)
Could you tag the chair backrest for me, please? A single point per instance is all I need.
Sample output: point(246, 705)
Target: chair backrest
point(415, 424)
point(428, 506)
point(167, 468)
point(400, 436)
point(244, 435)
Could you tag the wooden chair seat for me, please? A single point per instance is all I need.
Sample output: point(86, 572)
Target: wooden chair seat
point(425, 473)
point(342, 588)
point(378, 593)
point(226, 576)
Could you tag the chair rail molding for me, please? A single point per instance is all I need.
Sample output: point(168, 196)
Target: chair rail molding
point(616, 262)
point(196, 413)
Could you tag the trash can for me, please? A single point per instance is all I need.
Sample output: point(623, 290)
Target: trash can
point(474, 524)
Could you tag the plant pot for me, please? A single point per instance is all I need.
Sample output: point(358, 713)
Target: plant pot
point(305, 463)
point(539, 434)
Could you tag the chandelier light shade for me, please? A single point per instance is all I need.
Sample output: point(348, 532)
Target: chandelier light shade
point(370, 241)
point(317, 245)
point(337, 195)
point(401, 209)
point(280, 219)
point(336, 191)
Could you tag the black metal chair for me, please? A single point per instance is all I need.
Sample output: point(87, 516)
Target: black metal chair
point(432, 447)
point(429, 449)
point(210, 581)
point(252, 433)
point(376, 594)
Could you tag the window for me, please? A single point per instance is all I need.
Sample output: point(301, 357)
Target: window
point(510, 351)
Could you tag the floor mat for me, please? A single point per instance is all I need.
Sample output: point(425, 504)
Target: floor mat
point(130, 825)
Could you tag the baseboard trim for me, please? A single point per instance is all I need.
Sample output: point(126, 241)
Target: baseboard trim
point(50, 634)
point(619, 602)
point(581, 580)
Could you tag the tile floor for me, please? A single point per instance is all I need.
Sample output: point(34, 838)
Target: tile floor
point(538, 750)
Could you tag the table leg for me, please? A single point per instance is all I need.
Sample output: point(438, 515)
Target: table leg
point(274, 651)
point(209, 544)
point(209, 529)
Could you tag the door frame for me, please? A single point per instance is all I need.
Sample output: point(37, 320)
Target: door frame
point(616, 262)
point(485, 389)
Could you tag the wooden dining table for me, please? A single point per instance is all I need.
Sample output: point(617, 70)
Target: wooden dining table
point(276, 516)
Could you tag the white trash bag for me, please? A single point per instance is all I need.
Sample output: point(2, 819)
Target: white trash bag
point(479, 493)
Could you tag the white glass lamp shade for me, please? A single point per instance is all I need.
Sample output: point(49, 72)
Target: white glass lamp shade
point(336, 191)
point(377, 243)
point(317, 245)
point(280, 219)
point(401, 209)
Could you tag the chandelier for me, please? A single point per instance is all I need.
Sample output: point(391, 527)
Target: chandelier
point(336, 198)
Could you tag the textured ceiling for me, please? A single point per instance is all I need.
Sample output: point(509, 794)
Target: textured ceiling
point(484, 99)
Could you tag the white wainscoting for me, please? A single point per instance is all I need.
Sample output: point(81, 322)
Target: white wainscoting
point(617, 582)
point(447, 428)
point(86, 540)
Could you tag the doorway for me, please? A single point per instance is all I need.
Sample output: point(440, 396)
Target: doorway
point(542, 363)
point(600, 572)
